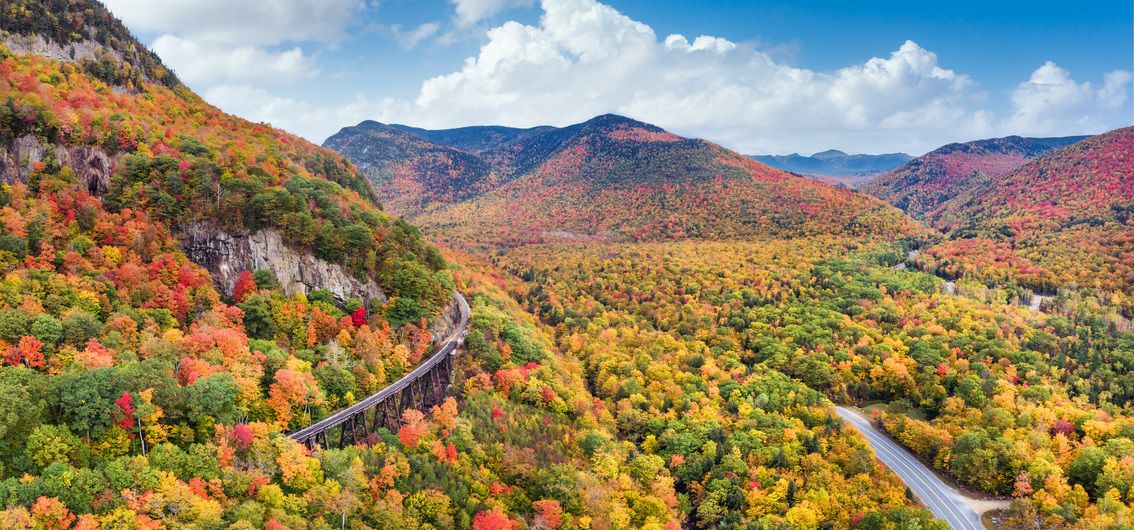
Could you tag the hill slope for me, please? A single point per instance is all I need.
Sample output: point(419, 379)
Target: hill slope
point(422, 171)
point(80, 95)
point(1062, 219)
point(923, 184)
point(83, 32)
point(135, 394)
point(615, 178)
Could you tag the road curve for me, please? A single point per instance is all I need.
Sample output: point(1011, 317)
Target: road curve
point(943, 500)
point(449, 347)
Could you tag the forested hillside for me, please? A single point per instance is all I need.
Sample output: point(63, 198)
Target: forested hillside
point(479, 139)
point(923, 184)
point(1062, 221)
point(723, 358)
point(163, 150)
point(689, 338)
point(409, 171)
point(660, 328)
point(136, 394)
point(86, 33)
point(611, 178)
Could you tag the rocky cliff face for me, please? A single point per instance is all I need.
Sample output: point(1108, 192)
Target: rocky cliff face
point(84, 50)
point(91, 165)
point(224, 254)
point(227, 254)
point(445, 324)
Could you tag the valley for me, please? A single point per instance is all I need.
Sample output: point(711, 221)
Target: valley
point(678, 297)
point(208, 322)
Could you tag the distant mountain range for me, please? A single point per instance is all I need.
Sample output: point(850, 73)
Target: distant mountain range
point(610, 177)
point(928, 181)
point(835, 163)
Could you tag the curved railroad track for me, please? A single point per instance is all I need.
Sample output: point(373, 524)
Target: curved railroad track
point(420, 389)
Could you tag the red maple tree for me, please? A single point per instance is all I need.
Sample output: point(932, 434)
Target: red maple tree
point(245, 285)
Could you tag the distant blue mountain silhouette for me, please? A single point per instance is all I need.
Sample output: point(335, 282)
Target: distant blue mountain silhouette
point(834, 163)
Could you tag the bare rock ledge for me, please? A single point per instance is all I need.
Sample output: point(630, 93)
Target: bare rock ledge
point(92, 166)
point(227, 254)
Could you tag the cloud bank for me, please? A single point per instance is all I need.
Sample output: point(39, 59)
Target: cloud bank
point(238, 41)
point(585, 58)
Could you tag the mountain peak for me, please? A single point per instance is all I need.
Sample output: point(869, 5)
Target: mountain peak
point(830, 153)
point(372, 124)
point(611, 177)
point(605, 121)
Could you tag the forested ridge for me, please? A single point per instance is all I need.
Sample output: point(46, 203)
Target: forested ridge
point(921, 186)
point(609, 178)
point(1059, 224)
point(137, 395)
point(117, 59)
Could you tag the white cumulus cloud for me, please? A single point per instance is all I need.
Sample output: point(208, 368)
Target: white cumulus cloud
point(240, 22)
point(197, 62)
point(238, 41)
point(1051, 102)
point(585, 58)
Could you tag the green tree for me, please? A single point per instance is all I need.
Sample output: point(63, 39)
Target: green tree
point(80, 326)
point(21, 410)
point(86, 399)
point(50, 444)
point(258, 320)
point(405, 310)
point(213, 396)
point(985, 462)
point(411, 280)
point(969, 389)
point(47, 329)
point(1085, 468)
point(13, 324)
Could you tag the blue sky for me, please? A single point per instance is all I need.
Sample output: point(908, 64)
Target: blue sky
point(768, 76)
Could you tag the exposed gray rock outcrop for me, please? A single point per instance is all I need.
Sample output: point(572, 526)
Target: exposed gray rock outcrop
point(84, 50)
point(92, 166)
point(446, 324)
point(227, 254)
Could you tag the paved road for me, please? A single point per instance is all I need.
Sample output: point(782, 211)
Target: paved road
point(943, 500)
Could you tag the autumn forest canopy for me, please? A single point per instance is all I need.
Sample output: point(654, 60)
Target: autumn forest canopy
point(660, 328)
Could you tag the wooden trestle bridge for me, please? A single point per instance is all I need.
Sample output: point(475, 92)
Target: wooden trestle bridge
point(420, 389)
